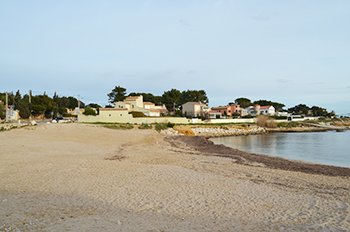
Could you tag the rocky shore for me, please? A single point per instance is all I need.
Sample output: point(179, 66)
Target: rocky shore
point(214, 131)
point(220, 132)
point(10, 126)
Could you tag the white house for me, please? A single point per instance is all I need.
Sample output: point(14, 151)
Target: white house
point(134, 101)
point(259, 110)
point(266, 110)
point(136, 104)
point(195, 109)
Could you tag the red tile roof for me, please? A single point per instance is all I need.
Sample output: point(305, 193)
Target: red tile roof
point(264, 107)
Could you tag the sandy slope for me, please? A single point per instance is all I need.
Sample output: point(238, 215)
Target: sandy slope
point(87, 178)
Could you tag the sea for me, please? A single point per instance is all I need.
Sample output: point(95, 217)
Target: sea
point(330, 148)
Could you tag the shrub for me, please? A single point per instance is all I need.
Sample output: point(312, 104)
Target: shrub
point(119, 126)
point(137, 114)
point(145, 126)
point(90, 111)
point(170, 125)
point(265, 121)
point(280, 117)
point(289, 124)
point(160, 126)
point(247, 116)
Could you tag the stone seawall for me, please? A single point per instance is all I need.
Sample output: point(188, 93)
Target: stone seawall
point(215, 131)
point(219, 132)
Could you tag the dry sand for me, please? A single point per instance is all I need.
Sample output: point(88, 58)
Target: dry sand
point(86, 178)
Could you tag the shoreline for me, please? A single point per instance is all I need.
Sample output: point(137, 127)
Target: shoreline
point(206, 147)
point(75, 176)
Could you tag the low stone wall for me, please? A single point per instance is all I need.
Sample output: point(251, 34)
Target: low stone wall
point(236, 120)
point(219, 132)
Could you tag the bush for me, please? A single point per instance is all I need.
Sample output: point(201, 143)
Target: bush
point(160, 126)
point(289, 124)
point(280, 117)
point(170, 125)
point(247, 116)
point(265, 121)
point(69, 115)
point(137, 114)
point(119, 126)
point(145, 126)
point(90, 111)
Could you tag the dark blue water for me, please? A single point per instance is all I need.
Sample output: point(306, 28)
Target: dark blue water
point(332, 148)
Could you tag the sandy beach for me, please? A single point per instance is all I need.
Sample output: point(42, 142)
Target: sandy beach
point(76, 177)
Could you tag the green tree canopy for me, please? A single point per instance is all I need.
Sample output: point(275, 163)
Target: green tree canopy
point(193, 96)
point(89, 111)
point(148, 97)
point(300, 109)
point(117, 94)
point(243, 102)
point(2, 111)
point(171, 99)
point(93, 105)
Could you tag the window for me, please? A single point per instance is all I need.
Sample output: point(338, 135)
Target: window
point(110, 115)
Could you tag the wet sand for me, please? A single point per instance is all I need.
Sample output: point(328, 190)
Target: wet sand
point(87, 178)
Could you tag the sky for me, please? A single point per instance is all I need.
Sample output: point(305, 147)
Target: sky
point(291, 51)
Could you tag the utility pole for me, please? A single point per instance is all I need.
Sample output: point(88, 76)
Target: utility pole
point(7, 107)
point(30, 105)
point(78, 111)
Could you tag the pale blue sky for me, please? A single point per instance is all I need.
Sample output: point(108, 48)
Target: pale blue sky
point(294, 51)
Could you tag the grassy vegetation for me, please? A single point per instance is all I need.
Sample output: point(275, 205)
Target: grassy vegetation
point(119, 126)
point(163, 126)
point(145, 126)
point(289, 124)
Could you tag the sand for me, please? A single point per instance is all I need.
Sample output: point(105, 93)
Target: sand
point(75, 177)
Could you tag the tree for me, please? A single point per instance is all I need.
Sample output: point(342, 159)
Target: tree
point(171, 99)
point(318, 111)
point(278, 106)
point(94, 105)
point(117, 94)
point(23, 107)
point(193, 96)
point(243, 102)
point(148, 97)
point(90, 111)
point(301, 109)
point(2, 111)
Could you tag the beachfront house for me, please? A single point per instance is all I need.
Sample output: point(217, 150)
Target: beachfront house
point(267, 110)
point(226, 111)
point(154, 110)
point(136, 104)
point(260, 110)
point(195, 109)
point(213, 114)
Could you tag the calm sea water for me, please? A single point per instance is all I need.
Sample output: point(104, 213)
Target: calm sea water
point(332, 148)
